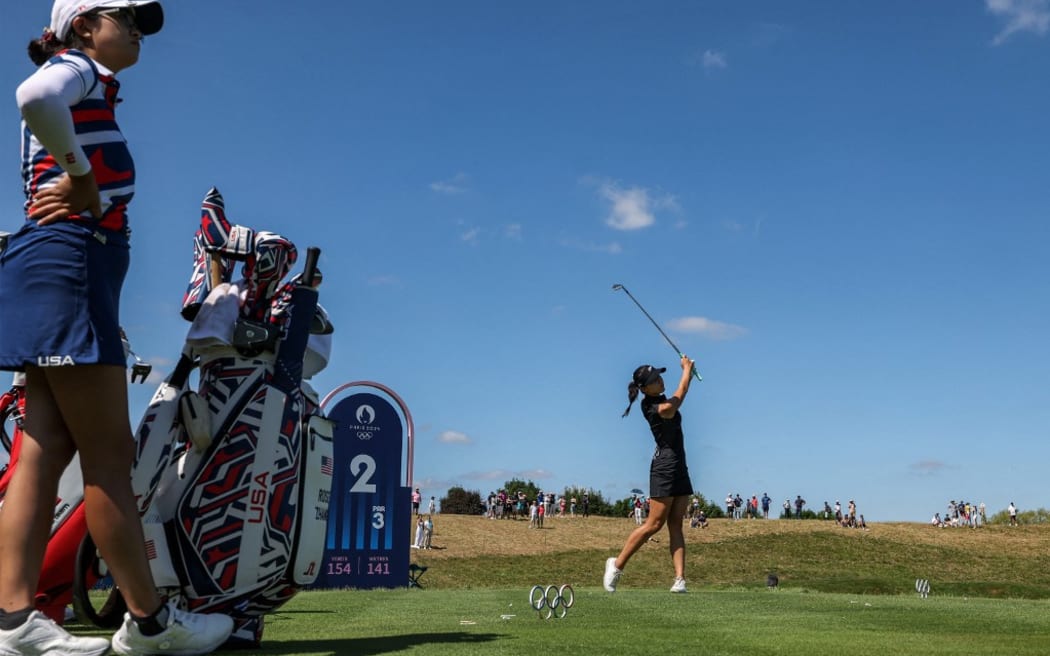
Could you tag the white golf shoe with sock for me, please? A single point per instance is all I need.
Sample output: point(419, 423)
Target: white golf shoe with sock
point(186, 634)
point(678, 585)
point(39, 635)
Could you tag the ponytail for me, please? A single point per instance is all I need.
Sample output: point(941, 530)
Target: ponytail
point(47, 45)
point(632, 394)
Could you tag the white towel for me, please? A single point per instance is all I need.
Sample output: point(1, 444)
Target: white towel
point(213, 325)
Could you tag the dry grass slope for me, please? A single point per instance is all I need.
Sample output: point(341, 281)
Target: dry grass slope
point(997, 561)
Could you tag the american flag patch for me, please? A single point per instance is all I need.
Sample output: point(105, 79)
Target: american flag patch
point(326, 465)
point(151, 550)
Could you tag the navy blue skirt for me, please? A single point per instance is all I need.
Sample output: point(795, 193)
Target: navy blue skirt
point(60, 296)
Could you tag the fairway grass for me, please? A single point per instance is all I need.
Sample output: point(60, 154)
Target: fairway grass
point(842, 592)
point(744, 622)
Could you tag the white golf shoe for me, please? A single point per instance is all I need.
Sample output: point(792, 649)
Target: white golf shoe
point(612, 575)
point(678, 585)
point(187, 634)
point(40, 635)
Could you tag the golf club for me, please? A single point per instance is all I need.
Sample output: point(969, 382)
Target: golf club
point(676, 349)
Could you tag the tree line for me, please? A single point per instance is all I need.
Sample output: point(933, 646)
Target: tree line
point(460, 501)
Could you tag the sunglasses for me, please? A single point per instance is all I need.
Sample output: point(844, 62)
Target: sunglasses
point(124, 16)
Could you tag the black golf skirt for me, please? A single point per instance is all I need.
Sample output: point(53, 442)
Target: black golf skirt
point(669, 475)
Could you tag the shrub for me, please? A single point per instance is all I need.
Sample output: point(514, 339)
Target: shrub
point(462, 502)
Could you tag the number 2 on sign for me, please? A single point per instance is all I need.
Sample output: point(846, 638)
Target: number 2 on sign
point(364, 467)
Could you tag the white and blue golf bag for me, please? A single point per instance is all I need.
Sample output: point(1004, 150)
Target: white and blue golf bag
point(233, 478)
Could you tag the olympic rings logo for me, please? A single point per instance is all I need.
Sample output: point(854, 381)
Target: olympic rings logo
point(556, 601)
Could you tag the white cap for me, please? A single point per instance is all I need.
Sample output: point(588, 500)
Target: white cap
point(149, 16)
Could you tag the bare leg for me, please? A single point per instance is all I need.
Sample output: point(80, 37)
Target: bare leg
point(659, 509)
point(25, 522)
point(677, 540)
point(94, 406)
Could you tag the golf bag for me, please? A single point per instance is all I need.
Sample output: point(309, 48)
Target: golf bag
point(233, 478)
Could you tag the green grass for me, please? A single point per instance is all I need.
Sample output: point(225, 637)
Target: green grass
point(842, 592)
point(997, 562)
point(636, 621)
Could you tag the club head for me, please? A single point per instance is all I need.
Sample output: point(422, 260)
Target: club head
point(617, 287)
point(140, 371)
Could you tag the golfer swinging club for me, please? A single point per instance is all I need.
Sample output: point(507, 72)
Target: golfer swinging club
point(669, 484)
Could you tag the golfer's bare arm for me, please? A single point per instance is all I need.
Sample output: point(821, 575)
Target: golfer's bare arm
point(667, 410)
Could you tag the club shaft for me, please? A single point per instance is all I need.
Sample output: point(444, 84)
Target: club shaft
point(653, 321)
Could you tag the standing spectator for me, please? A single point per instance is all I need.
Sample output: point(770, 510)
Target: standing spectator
point(540, 514)
point(754, 505)
point(827, 510)
point(852, 513)
point(637, 511)
point(765, 505)
point(533, 515)
point(669, 483)
point(417, 543)
point(787, 508)
point(433, 506)
point(586, 505)
point(738, 505)
point(980, 512)
point(416, 498)
point(799, 502)
point(730, 505)
point(60, 283)
point(838, 512)
point(428, 532)
point(501, 504)
point(1012, 509)
point(572, 507)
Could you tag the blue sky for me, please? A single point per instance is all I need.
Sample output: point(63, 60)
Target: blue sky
point(838, 209)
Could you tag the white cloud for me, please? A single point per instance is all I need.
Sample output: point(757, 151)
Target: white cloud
point(630, 207)
point(707, 327)
point(453, 437)
point(929, 467)
point(470, 235)
point(512, 231)
point(457, 184)
point(535, 474)
point(633, 208)
point(713, 59)
point(384, 281)
point(1020, 16)
point(491, 475)
point(503, 475)
point(732, 225)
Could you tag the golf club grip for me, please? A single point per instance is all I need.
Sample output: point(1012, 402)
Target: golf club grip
point(310, 268)
point(696, 373)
